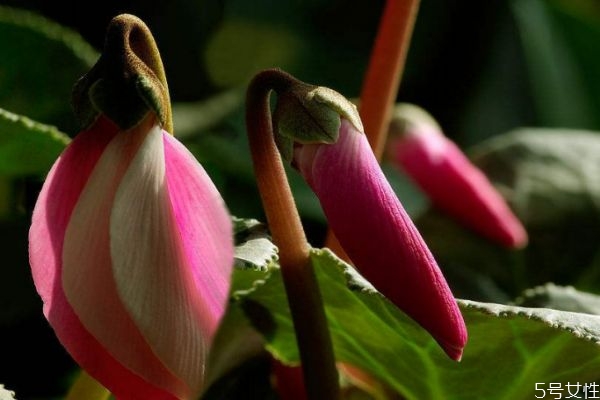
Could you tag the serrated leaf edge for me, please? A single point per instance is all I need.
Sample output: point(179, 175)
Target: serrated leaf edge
point(544, 315)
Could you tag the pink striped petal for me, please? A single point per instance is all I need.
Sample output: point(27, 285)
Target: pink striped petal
point(375, 231)
point(151, 266)
point(51, 216)
point(204, 225)
point(87, 268)
point(456, 186)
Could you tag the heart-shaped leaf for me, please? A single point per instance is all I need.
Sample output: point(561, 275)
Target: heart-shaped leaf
point(510, 348)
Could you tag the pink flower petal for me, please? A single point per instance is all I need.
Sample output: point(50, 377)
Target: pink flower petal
point(50, 218)
point(151, 267)
point(87, 268)
point(375, 231)
point(204, 225)
point(457, 187)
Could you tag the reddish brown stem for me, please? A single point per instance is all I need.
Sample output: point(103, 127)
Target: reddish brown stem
point(304, 296)
point(382, 80)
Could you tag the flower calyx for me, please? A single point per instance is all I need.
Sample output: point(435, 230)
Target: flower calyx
point(128, 81)
point(406, 117)
point(309, 114)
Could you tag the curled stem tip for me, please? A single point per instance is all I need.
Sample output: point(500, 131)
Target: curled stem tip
point(128, 81)
point(304, 297)
point(280, 208)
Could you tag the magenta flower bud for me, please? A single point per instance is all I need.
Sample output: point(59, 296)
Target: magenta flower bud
point(451, 181)
point(378, 235)
point(131, 252)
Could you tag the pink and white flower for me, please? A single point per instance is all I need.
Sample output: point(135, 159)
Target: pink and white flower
point(131, 251)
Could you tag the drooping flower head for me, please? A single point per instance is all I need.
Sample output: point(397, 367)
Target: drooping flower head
point(418, 146)
point(323, 138)
point(131, 244)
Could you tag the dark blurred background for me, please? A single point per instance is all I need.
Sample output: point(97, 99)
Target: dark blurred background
point(480, 67)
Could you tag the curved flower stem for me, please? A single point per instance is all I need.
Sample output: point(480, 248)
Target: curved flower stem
point(304, 297)
point(85, 387)
point(382, 80)
point(127, 81)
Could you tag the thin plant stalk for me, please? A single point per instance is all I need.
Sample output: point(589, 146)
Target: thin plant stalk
point(385, 69)
point(304, 297)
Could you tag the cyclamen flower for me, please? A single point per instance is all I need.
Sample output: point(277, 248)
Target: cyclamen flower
point(131, 251)
point(451, 181)
point(378, 235)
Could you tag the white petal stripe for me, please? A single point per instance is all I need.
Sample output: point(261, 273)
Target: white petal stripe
point(87, 274)
point(150, 268)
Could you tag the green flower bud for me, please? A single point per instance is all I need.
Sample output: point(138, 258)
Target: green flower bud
point(310, 114)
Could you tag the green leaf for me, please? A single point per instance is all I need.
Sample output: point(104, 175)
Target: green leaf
point(41, 61)
point(27, 147)
point(254, 248)
point(509, 350)
point(550, 177)
point(531, 166)
point(559, 92)
point(565, 298)
point(579, 21)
